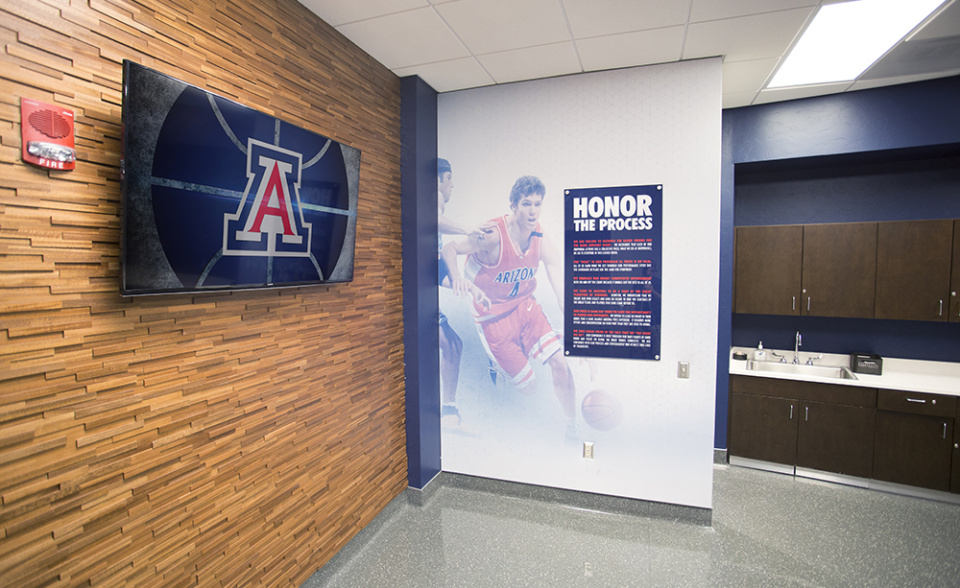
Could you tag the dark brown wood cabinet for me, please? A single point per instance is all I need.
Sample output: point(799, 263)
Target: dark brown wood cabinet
point(811, 270)
point(767, 269)
point(913, 449)
point(763, 428)
point(955, 467)
point(907, 270)
point(816, 426)
point(914, 439)
point(908, 438)
point(913, 269)
point(955, 273)
point(835, 438)
point(839, 270)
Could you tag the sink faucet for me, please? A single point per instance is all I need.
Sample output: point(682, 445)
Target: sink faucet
point(796, 348)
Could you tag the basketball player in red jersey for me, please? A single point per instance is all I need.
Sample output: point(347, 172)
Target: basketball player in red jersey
point(503, 264)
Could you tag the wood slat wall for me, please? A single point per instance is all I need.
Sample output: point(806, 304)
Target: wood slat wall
point(228, 439)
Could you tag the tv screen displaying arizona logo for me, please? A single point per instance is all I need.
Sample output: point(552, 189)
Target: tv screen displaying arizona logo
point(219, 196)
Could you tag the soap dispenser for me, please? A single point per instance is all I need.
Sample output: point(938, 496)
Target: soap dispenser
point(759, 354)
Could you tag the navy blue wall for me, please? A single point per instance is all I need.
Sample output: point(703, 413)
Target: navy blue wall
point(900, 184)
point(894, 117)
point(725, 316)
point(905, 339)
point(418, 192)
point(882, 154)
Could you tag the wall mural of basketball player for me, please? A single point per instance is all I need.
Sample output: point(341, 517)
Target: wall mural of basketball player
point(503, 264)
point(651, 433)
point(451, 346)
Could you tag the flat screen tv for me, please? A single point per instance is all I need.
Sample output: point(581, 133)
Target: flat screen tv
point(218, 196)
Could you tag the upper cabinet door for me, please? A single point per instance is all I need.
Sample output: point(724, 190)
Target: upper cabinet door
point(955, 283)
point(839, 270)
point(767, 277)
point(913, 269)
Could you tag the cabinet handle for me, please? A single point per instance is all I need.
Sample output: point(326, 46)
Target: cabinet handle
point(791, 412)
point(944, 429)
point(793, 305)
point(808, 304)
point(940, 312)
point(919, 400)
point(806, 413)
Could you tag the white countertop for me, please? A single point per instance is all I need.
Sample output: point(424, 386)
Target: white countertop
point(913, 375)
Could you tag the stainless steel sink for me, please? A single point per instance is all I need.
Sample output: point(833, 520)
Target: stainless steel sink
point(818, 371)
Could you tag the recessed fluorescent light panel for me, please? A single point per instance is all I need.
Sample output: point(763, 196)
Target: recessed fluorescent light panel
point(845, 39)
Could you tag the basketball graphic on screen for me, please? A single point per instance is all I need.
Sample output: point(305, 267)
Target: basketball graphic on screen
point(201, 170)
point(602, 411)
point(220, 196)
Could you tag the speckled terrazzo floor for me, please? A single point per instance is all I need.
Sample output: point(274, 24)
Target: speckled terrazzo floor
point(767, 530)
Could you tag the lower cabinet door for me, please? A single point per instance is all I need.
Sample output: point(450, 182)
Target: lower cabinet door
point(955, 476)
point(836, 438)
point(913, 449)
point(763, 428)
point(955, 468)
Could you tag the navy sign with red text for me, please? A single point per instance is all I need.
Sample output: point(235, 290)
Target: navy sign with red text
point(612, 288)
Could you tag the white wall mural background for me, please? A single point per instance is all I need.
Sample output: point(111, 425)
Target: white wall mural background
point(652, 125)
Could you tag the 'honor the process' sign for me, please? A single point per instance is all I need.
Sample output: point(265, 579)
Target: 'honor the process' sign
point(613, 254)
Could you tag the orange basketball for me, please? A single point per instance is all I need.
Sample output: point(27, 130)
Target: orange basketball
point(602, 411)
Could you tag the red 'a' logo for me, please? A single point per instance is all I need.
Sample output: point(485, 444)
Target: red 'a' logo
point(269, 220)
point(273, 202)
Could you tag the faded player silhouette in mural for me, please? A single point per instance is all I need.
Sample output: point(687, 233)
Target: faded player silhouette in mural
point(451, 346)
point(503, 263)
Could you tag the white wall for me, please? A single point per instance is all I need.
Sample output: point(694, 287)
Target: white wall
point(651, 125)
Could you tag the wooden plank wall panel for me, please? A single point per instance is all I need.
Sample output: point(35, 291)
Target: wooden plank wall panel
point(228, 439)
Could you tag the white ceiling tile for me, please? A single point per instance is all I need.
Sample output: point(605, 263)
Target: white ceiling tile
point(592, 18)
point(746, 76)
point(448, 76)
point(865, 84)
point(338, 12)
point(745, 38)
point(489, 26)
point(703, 10)
point(945, 24)
point(781, 94)
point(738, 99)
point(630, 49)
point(406, 39)
point(457, 44)
point(917, 57)
point(531, 63)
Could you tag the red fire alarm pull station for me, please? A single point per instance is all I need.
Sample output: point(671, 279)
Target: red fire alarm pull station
point(47, 133)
